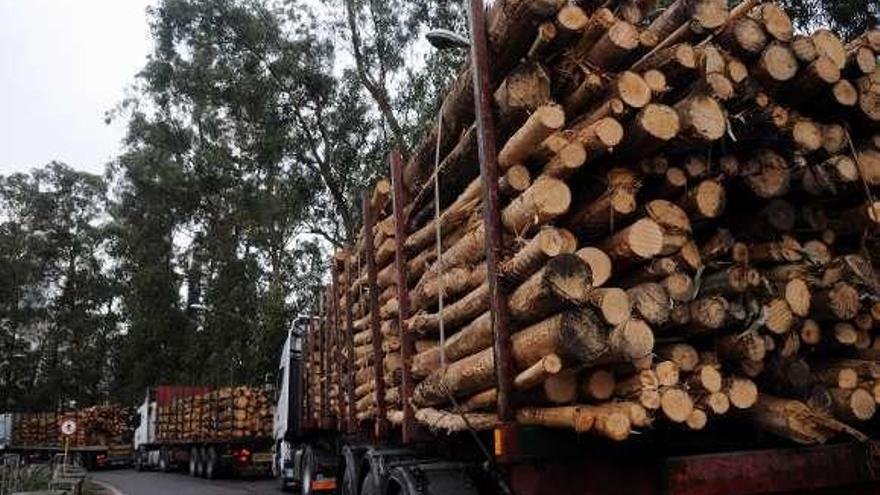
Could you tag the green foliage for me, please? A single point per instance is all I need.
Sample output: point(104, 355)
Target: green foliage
point(58, 325)
point(847, 18)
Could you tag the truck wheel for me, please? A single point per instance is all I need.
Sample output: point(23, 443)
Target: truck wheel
point(351, 475)
point(211, 467)
point(368, 487)
point(308, 471)
point(194, 461)
point(164, 465)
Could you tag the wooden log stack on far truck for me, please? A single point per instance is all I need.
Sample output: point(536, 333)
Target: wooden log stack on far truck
point(207, 431)
point(102, 437)
point(689, 240)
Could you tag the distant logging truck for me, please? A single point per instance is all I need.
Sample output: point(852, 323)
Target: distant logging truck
point(207, 431)
point(100, 437)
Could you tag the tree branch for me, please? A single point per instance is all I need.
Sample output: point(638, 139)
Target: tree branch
point(378, 91)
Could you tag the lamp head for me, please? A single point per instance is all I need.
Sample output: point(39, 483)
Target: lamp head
point(444, 39)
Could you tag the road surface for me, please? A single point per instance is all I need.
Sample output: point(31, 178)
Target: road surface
point(129, 482)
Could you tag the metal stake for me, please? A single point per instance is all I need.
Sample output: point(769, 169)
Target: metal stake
point(375, 325)
point(491, 216)
point(407, 346)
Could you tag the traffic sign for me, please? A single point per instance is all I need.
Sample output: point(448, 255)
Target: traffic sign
point(68, 427)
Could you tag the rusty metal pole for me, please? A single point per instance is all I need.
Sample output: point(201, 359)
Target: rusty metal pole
point(333, 347)
point(324, 422)
point(304, 399)
point(407, 346)
point(381, 429)
point(349, 344)
point(491, 216)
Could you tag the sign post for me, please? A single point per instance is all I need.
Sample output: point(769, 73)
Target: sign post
point(68, 428)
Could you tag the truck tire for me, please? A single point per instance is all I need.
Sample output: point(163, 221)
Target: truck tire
point(164, 463)
point(194, 460)
point(351, 475)
point(211, 463)
point(368, 487)
point(308, 471)
point(430, 478)
point(139, 460)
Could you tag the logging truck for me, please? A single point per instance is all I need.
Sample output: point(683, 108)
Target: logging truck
point(635, 253)
point(37, 437)
point(207, 432)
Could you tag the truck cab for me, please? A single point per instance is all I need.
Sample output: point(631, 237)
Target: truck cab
point(145, 432)
point(286, 425)
point(5, 431)
point(306, 461)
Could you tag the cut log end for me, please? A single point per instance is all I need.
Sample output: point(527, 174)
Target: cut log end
point(718, 403)
point(697, 420)
point(613, 304)
point(633, 90)
point(743, 393)
point(599, 263)
point(676, 405)
point(660, 122)
point(797, 295)
point(632, 340)
point(599, 385)
point(778, 63)
point(710, 199)
point(645, 238)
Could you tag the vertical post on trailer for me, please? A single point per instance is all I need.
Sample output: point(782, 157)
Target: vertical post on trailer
point(315, 382)
point(491, 217)
point(407, 349)
point(335, 347)
point(323, 422)
point(349, 342)
point(303, 409)
point(381, 429)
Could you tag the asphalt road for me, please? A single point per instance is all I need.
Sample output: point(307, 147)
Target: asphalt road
point(129, 482)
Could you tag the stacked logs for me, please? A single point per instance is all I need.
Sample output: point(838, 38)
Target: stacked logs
point(223, 413)
point(96, 426)
point(690, 229)
point(32, 429)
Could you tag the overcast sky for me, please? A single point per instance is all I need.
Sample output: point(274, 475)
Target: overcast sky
point(63, 64)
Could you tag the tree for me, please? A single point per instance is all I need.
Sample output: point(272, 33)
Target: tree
point(847, 18)
point(60, 323)
point(384, 35)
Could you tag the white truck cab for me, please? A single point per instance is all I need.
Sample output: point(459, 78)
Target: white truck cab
point(145, 433)
point(288, 397)
point(5, 431)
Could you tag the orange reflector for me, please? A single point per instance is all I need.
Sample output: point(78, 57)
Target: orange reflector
point(499, 442)
point(325, 484)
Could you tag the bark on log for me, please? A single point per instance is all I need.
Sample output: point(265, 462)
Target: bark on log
point(796, 421)
point(564, 280)
point(541, 124)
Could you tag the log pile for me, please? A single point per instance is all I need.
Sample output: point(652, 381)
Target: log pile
point(36, 429)
point(218, 414)
point(96, 426)
point(690, 226)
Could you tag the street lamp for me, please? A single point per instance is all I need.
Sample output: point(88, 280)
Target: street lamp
point(444, 39)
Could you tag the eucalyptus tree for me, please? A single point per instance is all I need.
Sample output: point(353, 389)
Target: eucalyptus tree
point(57, 299)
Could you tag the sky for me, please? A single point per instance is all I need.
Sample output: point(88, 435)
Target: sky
point(63, 64)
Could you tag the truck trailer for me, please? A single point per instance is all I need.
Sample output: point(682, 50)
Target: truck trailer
point(205, 431)
point(624, 260)
point(102, 438)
